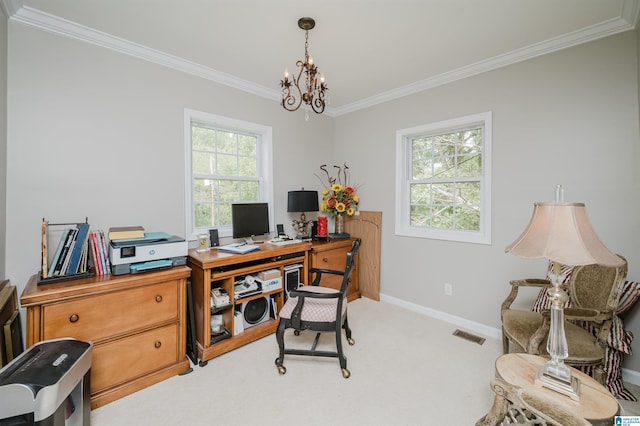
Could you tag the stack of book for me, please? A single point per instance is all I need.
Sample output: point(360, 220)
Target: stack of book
point(78, 247)
point(126, 233)
point(71, 256)
point(99, 252)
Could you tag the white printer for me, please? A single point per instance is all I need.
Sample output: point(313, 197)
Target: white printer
point(156, 250)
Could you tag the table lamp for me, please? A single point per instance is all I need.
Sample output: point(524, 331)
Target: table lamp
point(300, 202)
point(562, 233)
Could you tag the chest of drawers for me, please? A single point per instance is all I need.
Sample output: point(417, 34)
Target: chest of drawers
point(137, 324)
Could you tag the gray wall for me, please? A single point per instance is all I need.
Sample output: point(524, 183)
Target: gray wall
point(567, 118)
point(98, 134)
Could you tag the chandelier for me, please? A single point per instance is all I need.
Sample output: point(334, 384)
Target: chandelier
point(313, 88)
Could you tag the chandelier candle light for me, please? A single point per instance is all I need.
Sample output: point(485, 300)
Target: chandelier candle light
point(309, 86)
point(562, 233)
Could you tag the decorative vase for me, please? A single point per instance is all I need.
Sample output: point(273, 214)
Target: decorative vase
point(339, 225)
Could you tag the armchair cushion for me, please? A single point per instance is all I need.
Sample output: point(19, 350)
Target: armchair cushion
point(316, 310)
point(523, 325)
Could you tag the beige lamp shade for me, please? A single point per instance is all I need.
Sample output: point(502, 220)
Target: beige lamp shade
point(562, 232)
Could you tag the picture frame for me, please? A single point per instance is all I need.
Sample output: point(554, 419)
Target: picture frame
point(11, 329)
point(13, 337)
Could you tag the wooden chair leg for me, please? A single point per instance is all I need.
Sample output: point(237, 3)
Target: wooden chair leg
point(505, 343)
point(600, 375)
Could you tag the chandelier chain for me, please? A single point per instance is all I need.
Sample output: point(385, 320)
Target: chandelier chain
point(306, 44)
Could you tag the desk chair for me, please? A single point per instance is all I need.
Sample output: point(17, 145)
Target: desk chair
point(319, 309)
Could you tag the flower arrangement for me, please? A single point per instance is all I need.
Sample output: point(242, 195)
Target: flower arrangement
point(339, 196)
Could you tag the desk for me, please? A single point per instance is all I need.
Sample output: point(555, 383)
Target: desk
point(216, 269)
point(519, 370)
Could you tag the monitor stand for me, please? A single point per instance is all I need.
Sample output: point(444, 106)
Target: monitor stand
point(248, 240)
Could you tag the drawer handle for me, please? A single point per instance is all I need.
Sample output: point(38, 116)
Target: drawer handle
point(325, 260)
point(158, 298)
point(157, 344)
point(74, 318)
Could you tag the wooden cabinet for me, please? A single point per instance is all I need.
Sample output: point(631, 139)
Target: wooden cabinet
point(214, 268)
point(137, 324)
point(332, 254)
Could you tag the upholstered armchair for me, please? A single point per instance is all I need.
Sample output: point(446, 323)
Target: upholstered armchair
point(594, 292)
point(618, 340)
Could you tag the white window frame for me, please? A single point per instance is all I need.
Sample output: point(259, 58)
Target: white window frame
point(265, 165)
point(403, 180)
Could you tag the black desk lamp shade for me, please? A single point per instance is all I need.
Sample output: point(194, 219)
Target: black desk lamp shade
point(303, 201)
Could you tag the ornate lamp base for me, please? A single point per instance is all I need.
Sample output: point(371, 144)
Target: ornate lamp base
point(570, 387)
point(302, 227)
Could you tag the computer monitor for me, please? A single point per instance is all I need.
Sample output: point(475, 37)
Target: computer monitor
point(249, 220)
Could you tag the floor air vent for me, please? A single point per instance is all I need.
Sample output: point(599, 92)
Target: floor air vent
point(468, 336)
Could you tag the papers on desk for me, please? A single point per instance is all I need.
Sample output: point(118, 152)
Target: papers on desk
point(283, 242)
point(240, 248)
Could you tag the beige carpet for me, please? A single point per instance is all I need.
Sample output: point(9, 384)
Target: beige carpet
point(406, 369)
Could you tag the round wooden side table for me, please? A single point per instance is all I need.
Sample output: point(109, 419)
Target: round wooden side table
point(518, 370)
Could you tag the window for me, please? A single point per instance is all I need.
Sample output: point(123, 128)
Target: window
point(228, 161)
point(443, 180)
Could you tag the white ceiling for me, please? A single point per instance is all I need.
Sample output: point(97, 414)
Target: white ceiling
point(369, 50)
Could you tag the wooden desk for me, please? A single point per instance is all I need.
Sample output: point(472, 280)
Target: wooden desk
point(214, 268)
point(519, 369)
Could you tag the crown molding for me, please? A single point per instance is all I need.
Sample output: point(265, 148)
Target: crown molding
point(54, 24)
point(17, 12)
point(581, 36)
point(631, 12)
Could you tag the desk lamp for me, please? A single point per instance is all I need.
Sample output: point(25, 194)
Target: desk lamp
point(300, 202)
point(562, 233)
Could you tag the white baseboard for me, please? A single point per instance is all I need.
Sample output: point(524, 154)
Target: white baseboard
point(476, 327)
point(629, 376)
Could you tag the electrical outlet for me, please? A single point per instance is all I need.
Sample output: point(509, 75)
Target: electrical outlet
point(448, 289)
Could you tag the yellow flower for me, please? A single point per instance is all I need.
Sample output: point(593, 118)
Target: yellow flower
point(340, 207)
point(355, 198)
point(350, 211)
point(336, 187)
point(323, 207)
point(325, 192)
